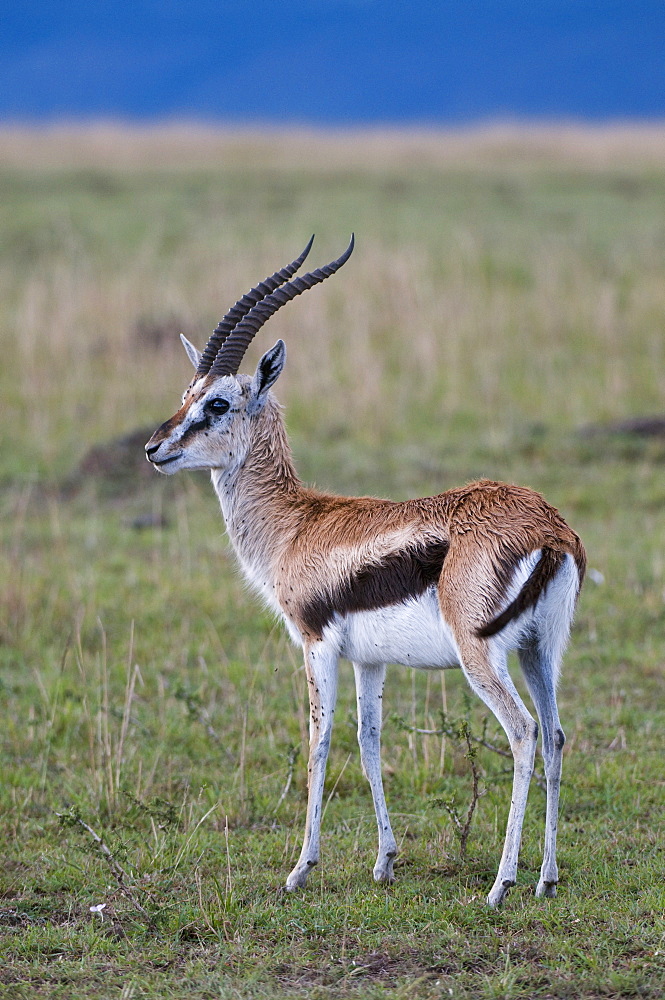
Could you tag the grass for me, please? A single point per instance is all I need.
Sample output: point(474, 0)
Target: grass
point(506, 292)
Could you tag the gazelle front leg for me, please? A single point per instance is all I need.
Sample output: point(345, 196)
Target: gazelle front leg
point(321, 669)
point(369, 692)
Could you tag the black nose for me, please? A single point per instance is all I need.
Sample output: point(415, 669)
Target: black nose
point(150, 449)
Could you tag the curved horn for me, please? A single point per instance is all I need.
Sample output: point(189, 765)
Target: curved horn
point(242, 307)
point(233, 350)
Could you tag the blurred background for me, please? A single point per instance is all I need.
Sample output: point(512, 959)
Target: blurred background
point(499, 161)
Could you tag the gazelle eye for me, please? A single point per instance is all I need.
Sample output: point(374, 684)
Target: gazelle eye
point(217, 405)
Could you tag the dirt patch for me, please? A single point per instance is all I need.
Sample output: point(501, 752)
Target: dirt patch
point(118, 466)
point(643, 427)
point(161, 333)
point(123, 456)
point(377, 967)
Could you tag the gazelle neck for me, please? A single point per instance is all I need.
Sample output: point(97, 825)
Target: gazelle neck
point(258, 494)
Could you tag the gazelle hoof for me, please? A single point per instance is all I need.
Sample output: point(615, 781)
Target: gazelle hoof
point(298, 877)
point(383, 869)
point(546, 890)
point(499, 892)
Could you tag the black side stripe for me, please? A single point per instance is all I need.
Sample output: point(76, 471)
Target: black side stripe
point(542, 573)
point(398, 577)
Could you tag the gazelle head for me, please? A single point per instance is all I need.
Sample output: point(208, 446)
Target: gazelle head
point(212, 429)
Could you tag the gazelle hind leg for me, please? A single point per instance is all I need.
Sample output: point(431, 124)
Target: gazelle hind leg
point(369, 692)
point(540, 677)
point(321, 669)
point(540, 660)
point(484, 665)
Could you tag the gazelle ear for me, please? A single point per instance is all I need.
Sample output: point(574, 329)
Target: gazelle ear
point(192, 353)
point(268, 370)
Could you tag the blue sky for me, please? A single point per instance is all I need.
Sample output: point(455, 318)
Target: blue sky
point(342, 62)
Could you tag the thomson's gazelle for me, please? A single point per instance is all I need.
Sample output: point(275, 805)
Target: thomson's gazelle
point(455, 580)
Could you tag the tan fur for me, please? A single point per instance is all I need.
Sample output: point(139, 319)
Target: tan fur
point(309, 540)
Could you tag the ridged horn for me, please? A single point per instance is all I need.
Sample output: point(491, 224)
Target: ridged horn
point(233, 350)
point(242, 307)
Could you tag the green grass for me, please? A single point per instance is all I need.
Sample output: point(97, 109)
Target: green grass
point(490, 311)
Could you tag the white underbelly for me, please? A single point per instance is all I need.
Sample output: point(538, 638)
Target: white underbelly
point(413, 633)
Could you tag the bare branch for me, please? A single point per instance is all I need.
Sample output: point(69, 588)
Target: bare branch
point(294, 753)
point(72, 818)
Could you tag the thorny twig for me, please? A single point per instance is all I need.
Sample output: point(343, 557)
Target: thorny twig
point(463, 827)
point(447, 729)
point(294, 753)
point(72, 818)
point(196, 710)
point(161, 810)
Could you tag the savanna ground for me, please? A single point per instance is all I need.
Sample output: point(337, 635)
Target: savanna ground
point(507, 292)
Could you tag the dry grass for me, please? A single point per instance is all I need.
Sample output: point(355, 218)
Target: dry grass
point(191, 146)
point(479, 290)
